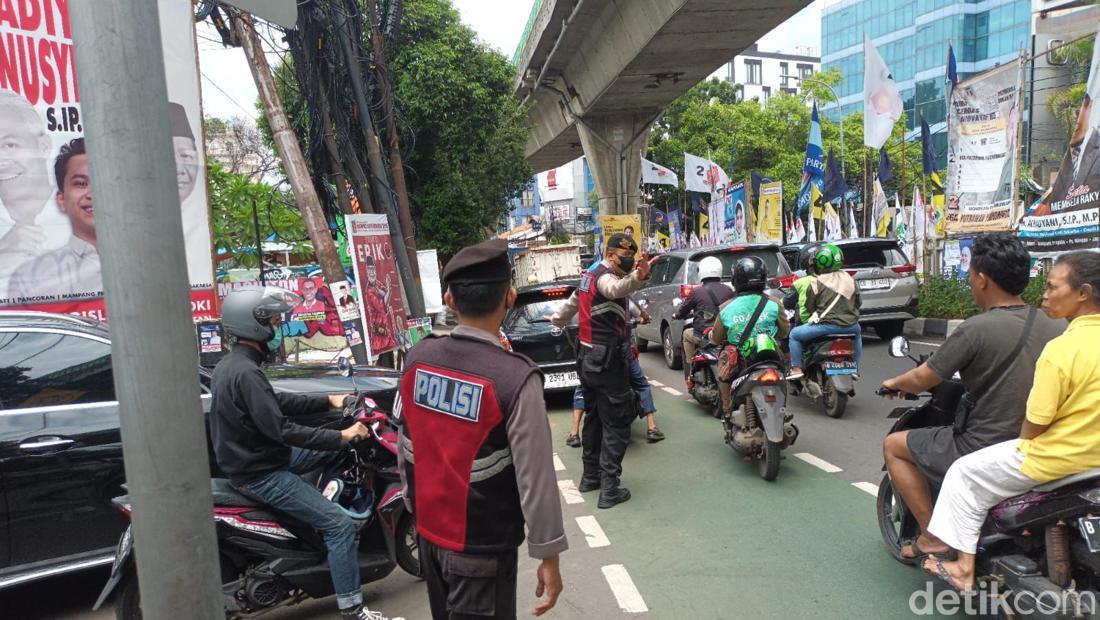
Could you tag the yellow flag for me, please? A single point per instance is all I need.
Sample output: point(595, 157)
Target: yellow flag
point(704, 229)
point(815, 200)
point(884, 223)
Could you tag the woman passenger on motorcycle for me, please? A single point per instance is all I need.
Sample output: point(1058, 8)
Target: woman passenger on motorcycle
point(832, 301)
point(1060, 435)
point(750, 278)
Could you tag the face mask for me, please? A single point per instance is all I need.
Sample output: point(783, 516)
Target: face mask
point(626, 263)
point(273, 344)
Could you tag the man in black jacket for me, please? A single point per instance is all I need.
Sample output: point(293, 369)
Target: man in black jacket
point(702, 306)
point(264, 452)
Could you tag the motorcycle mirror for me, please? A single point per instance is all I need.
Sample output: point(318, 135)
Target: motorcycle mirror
point(344, 366)
point(899, 347)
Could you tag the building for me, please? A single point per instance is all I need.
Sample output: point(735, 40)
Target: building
point(912, 37)
point(761, 74)
point(557, 200)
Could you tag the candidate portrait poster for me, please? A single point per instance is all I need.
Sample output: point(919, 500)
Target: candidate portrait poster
point(769, 213)
point(49, 256)
point(382, 307)
point(734, 220)
point(981, 150)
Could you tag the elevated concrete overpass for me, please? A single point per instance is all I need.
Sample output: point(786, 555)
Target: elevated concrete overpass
point(595, 74)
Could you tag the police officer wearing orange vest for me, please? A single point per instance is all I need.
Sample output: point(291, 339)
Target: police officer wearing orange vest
point(603, 366)
point(476, 452)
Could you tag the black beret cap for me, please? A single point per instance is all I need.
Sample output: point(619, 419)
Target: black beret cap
point(621, 241)
point(181, 127)
point(479, 264)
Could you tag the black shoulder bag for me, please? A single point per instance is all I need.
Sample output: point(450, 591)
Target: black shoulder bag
point(969, 400)
point(708, 317)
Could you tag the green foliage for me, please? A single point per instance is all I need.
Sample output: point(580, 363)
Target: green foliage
point(560, 238)
point(946, 297)
point(1065, 103)
point(231, 198)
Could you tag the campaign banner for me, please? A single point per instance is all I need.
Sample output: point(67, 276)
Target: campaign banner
point(981, 150)
point(734, 227)
point(556, 184)
point(49, 257)
point(630, 225)
point(1067, 217)
point(430, 283)
point(381, 305)
point(769, 213)
point(315, 323)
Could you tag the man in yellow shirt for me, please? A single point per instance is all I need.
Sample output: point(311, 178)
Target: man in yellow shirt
point(1060, 435)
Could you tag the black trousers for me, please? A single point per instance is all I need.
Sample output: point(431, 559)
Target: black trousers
point(465, 586)
point(610, 408)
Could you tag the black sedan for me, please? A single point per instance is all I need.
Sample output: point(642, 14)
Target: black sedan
point(531, 333)
point(60, 448)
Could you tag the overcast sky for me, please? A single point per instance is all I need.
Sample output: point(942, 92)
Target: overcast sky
point(228, 90)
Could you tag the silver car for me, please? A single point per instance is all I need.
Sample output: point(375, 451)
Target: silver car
point(676, 274)
point(887, 281)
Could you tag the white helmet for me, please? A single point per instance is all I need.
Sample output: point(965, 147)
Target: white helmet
point(710, 267)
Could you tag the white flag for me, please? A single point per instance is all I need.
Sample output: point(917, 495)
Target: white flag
point(901, 221)
point(881, 101)
point(811, 226)
point(703, 175)
point(654, 174)
point(832, 223)
point(853, 230)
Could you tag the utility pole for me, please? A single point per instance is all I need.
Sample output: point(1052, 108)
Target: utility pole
point(294, 163)
point(124, 102)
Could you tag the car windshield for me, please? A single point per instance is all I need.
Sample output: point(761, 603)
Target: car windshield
point(876, 255)
point(534, 307)
point(771, 258)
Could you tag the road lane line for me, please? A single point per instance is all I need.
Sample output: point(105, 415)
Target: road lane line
point(673, 391)
point(593, 533)
point(819, 463)
point(867, 486)
point(569, 492)
point(655, 382)
point(622, 586)
point(558, 465)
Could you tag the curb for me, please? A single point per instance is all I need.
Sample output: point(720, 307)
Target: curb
point(931, 327)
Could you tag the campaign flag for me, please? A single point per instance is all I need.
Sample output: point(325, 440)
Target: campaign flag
point(835, 186)
point(881, 100)
point(703, 175)
point(928, 154)
point(885, 168)
point(655, 174)
point(813, 166)
point(880, 216)
point(381, 306)
point(697, 203)
point(920, 225)
point(769, 213)
point(657, 217)
point(952, 77)
point(735, 220)
point(675, 232)
point(853, 230)
point(832, 223)
point(901, 221)
point(757, 180)
point(937, 221)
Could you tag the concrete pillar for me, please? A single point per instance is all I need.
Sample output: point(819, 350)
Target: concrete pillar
point(614, 146)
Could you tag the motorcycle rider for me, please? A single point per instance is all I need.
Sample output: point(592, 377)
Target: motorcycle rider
point(795, 299)
point(264, 452)
point(750, 278)
point(999, 272)
point(832, 301)
point(702, 306)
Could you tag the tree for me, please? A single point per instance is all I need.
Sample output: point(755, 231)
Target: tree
point(1065, 103)
point(239, 145)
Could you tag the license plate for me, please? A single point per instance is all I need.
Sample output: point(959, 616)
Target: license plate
point(1090, 530)
point(562, 380)
point(877, 283)
point(840, 368)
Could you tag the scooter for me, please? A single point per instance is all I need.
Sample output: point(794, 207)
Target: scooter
point(702, 376)
point(759, 424)
point(830, 368)
point(1039, 553)
point(270, 560)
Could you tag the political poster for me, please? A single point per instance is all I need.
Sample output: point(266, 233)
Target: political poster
point(382, 307)
point(734, 226)
point(49, 256)
point(1067, 217)
point(556, 184)
point(430, 283)
point(981, 150)
point(630, 224)
point(769, 213)
point(418, 330)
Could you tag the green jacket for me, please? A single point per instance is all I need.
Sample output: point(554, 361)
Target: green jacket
point(802, 285)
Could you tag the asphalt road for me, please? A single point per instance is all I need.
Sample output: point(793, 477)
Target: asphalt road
point(703, 536)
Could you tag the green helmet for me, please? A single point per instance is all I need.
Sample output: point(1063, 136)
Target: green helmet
point(828, 258)
point(758, 343)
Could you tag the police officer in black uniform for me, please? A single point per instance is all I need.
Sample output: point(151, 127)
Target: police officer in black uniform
point(476, 452)
point(603, 366)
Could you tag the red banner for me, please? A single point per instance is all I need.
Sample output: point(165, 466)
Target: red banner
point(381, 304)
point(202, 307)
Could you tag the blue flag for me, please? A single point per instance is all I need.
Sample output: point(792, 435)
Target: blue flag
point(885, 168)
point(952, 71)
point(928, 154)
point(813, 167)
point(835, 186)
point(757, 179)
point(697, 203)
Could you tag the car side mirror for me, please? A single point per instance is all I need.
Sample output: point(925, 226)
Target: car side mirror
point(899, 347)
point(344, 366)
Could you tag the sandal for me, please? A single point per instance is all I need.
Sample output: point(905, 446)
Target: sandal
point(941, 573)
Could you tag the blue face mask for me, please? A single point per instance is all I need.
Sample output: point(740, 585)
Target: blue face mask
point(273, 344)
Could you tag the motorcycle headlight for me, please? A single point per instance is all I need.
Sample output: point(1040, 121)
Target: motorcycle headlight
point(1091, 496)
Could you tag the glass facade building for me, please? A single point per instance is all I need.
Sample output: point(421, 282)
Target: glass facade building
point(912, 37)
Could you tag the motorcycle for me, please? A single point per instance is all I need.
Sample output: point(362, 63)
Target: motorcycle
point(702, 376)
point(829, 366)
point(1039, 551)
point(270, 560)
point(759, 424)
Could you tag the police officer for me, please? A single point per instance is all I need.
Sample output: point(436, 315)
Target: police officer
point(476, 452)
point(603, 365)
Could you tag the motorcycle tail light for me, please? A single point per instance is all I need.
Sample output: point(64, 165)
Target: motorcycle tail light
point(842, 348)
point(1091, 496)
point(685, 290)
point(769, 376)
point(787, 281)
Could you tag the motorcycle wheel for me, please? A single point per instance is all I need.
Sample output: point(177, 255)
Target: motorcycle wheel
point(407, 545)
point(834, 401)
point(769, 461)
point(128, 605)
point(895, 522)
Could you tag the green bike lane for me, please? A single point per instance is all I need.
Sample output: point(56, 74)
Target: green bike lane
point(705, 537)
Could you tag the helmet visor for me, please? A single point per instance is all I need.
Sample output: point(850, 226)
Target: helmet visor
point(276, 300)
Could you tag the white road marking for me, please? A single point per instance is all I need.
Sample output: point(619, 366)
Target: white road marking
point(823, 465)
point(593, 533)
point(622, 586)
point(655, 382)
point(867, 486)
point(927, 344)
point(569, 492)
point(672, 391)
point(558, 465)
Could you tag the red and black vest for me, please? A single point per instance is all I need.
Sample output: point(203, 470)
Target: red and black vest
point(600, 319)
point(457, 394)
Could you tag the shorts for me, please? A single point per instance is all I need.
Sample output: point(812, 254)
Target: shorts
point(934, 450)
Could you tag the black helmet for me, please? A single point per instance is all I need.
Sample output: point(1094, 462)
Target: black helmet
point(806, 257)
point(750, 274)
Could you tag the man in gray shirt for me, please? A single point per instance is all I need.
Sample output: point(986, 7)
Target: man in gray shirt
point(978, 350)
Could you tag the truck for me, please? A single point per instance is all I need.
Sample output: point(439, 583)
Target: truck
point(546, 264)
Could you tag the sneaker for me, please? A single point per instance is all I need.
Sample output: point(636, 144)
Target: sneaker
point(654, 435)
point(613, 497)
point(573, 441)
point(363, 613)
point(794, 374)
point(587, 485)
